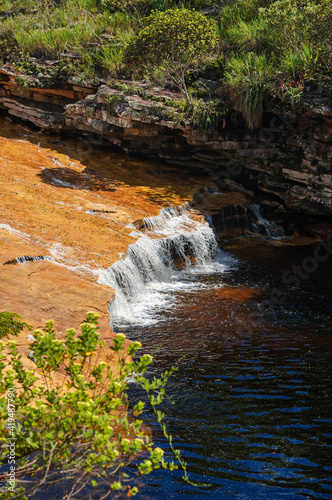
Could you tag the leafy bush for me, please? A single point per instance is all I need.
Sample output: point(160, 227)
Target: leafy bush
point(300, 26)
point(73, 423)
point(288, 22)
point(172, 41)
point(11, 324)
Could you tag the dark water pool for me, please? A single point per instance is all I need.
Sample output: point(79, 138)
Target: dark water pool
point(251, 405)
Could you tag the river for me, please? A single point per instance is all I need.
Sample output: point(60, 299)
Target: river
point(250, 403)
point(251, 407)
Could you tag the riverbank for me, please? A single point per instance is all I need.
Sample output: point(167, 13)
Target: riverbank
point(284, 165)
point(70, 206)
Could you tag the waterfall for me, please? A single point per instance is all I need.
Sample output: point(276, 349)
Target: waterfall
point(170, 250)
point(28, 258)
point(264, 226)
point(246, 218)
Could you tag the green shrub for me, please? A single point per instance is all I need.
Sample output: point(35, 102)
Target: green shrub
point(74, 425)
point(302, 26)
point(11, 324)
point(285, 24)
point(171, 41)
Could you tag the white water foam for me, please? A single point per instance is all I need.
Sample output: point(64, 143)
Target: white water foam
point(60, 255)
point(68, 205)
point(146, 280)
point(14, 232)
point(63, 256)
point(249, 218)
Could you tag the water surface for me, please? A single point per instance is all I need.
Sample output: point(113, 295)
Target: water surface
point(251, 405)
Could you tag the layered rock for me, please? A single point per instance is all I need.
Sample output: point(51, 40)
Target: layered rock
point(288, 162)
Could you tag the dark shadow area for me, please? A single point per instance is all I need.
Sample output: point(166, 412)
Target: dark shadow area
point(70, 179)
point(106, 164)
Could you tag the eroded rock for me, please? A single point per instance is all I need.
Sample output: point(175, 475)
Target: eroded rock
point(290, 158)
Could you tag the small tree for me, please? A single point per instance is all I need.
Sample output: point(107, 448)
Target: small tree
point(172, 41)
point(79, 430)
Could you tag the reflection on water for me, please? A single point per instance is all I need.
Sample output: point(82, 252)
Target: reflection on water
point(252, 399)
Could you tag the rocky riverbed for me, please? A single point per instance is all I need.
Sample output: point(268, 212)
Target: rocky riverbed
point(71, 206)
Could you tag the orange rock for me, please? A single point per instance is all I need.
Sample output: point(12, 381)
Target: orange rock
point(237, 294)
point(73, 204)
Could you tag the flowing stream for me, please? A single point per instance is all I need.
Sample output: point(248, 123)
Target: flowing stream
point(250, 404)
point(251, 407)
point(150, 270)
point(176, 238)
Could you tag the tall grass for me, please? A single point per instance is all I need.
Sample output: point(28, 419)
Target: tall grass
point(247, 76)
point(239, 13)
point(247, 34)
point(261, 44)
point(73, 27)
point(305, 61)
point(56, 40)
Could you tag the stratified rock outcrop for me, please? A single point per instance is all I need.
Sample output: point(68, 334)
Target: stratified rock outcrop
point(287, 162)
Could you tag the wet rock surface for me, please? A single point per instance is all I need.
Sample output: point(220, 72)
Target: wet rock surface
point(288, 160)
point(72, 207)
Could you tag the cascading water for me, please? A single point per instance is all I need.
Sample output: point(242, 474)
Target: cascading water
point(264, 226)
point(172, 248)
point(246, 218)
point(175, 246)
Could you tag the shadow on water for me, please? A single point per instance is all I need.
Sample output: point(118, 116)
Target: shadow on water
point(67, 178)
point(105, 164)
